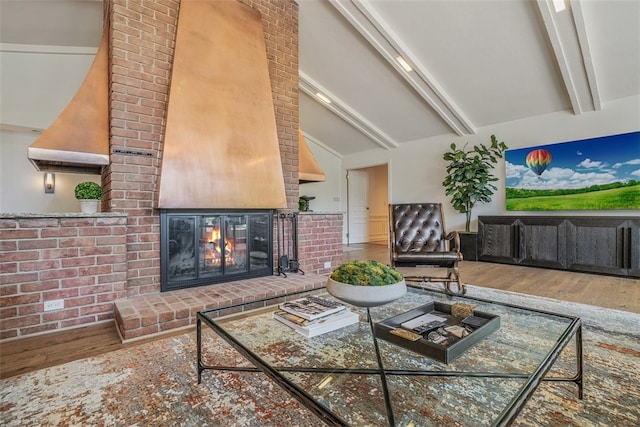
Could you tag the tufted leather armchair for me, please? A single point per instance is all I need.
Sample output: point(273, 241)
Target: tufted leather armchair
point(418, 239)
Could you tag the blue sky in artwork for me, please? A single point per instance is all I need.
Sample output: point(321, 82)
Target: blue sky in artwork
point(578, 164)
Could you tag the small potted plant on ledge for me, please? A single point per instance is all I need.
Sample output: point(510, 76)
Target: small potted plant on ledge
point(366, 283)
point(89, 194)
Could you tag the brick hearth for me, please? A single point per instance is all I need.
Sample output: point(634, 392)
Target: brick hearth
point(150, 314)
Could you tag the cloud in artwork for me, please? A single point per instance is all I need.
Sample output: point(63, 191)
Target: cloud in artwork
point(631, 162)
point(590, 164)
point(514, 171)
point(556, 178)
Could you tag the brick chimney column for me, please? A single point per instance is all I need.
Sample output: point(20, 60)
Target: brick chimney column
point(141, 48)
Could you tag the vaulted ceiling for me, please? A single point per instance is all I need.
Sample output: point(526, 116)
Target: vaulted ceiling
point(474, 63)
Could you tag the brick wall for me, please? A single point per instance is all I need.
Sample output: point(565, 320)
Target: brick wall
point(319, 241)
point(81, 260)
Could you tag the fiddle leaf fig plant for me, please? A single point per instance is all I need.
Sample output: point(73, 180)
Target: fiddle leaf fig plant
point(469, 178)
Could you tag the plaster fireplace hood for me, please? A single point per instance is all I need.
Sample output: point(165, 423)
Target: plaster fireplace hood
point(78, 140)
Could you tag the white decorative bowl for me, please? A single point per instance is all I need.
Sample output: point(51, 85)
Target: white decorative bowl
point(366, 296)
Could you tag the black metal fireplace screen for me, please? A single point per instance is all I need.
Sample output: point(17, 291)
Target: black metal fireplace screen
point(202, 247)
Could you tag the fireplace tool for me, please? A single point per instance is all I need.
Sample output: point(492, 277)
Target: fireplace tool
point(288, 244)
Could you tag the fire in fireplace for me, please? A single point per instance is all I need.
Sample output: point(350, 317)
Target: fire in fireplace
point(203, 247)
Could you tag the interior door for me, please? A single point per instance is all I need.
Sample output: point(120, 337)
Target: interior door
point(358, 206)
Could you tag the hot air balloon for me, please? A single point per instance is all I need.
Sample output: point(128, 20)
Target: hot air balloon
point(538, 160)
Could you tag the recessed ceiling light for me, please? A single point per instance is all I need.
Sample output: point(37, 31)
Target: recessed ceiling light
point(404, 64)
point(324, 98)
point(559, 5)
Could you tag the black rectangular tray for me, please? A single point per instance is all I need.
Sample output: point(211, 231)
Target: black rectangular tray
point(439, 352)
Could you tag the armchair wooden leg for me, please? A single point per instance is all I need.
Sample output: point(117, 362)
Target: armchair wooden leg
point(455, 273)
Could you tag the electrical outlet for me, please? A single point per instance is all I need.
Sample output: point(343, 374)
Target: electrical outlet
point(56, 304)
point(327, 264)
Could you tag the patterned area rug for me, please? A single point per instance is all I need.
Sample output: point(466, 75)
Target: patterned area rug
point(155, 384)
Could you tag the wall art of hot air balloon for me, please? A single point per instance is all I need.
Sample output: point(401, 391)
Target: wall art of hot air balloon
point(538, 160)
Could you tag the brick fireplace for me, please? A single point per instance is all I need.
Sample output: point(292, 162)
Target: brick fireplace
point(140, 78)
point(142, 37)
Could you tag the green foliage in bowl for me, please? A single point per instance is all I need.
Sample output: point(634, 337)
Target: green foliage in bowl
point(366, 273)
point(88, 190)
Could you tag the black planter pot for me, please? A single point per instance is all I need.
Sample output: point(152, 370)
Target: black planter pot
point(469, 245)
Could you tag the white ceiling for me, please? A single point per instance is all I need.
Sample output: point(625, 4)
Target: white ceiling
point(475, 63)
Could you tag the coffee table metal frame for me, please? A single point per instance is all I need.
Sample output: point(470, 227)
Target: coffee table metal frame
point(210, 317)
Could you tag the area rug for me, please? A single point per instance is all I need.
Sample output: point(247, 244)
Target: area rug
point(155, 384)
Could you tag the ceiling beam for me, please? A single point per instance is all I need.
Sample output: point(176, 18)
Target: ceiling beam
point(578, 20)
point(344, 111)
point(366, 20)
point(570, 55)
point(48, 49)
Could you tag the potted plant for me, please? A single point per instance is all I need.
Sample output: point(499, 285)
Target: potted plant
point(366, 283)
point(469, 175)
point(89, 194)
point(469, 181)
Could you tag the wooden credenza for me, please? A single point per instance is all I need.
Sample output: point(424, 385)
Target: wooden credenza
point(604, 244)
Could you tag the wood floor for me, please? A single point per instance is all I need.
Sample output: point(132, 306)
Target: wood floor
point(32, 353)
point(605, 291)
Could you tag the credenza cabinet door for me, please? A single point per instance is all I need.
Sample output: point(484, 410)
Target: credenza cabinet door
point(597, 245)
point(545, 242)
point(499, 239)
point(634, 247)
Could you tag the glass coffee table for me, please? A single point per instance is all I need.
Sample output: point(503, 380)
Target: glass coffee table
point(351, 377)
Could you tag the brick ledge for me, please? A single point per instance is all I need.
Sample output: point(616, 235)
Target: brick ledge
point(151, 314)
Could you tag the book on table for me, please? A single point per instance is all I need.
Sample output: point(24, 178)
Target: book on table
point(318, 326)
point(312, 307)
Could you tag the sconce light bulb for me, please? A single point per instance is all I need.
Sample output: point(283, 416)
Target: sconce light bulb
point(49, 182)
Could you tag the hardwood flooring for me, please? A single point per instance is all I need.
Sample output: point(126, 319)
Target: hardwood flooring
point(605, 291)
point(54, 348)
point(32, 353)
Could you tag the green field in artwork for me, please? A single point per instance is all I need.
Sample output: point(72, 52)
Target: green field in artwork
point(617, 198)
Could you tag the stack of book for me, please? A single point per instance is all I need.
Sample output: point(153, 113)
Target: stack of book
point(312, 316)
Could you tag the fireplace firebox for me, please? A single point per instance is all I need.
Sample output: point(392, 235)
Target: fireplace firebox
point(206, 247)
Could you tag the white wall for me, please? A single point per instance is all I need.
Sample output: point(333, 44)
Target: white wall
point(35, 86)
point(328, 193)
point(22, 187)
point(416, 169)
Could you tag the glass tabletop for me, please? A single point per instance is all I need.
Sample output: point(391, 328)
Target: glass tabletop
point(363, 380)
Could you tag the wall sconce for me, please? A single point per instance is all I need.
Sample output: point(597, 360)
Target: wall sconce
point(49, 182)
